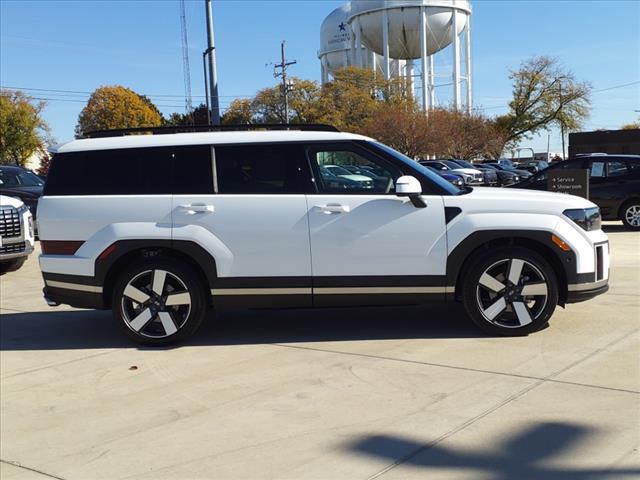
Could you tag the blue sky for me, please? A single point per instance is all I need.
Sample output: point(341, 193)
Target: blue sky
point(80, 45)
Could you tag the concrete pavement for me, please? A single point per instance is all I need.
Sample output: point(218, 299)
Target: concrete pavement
point(390, 393)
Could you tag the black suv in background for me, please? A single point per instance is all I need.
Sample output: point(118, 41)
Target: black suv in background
point(614, 184)
point(21, 183)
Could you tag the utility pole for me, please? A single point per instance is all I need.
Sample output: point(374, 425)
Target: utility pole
point(214, 113)
point(283, 65)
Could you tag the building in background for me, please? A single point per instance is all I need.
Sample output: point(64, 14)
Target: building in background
point(399, 38)
point(605, 141)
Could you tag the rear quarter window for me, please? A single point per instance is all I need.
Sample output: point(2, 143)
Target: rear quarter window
point(135, 171)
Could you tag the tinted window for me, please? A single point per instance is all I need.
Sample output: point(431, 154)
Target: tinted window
point(19, 178)
point(193, 170)
point(262, 169)
point(617, 169)
point(134, 171)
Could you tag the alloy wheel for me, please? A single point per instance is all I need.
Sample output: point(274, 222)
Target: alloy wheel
point(155, 303)
point(632, 215)
point(512, 293)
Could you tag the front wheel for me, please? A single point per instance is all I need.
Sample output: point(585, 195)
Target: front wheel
point(512, 291)
point(159, 302)
point(631, 214)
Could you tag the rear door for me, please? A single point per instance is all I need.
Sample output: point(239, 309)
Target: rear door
point(367, 244)
point(609, 179)
point(252, 217)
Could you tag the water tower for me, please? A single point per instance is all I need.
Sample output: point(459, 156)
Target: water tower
point(389, 36)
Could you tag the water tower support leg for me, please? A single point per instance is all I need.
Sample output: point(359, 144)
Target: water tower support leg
point(352, 50)
point(385, 44)
point(456, 60)
point(424, 57)
point(432, 90)
point(355, 26)
point(468, 64)
point(323, 70)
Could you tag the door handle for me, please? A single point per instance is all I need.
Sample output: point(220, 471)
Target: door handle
point(197, 208)
point(334, 208)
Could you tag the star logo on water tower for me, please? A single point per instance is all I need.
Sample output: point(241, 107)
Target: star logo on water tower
point(342, 27)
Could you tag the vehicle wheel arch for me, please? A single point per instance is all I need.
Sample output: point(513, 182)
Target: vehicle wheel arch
point(126, 252)
point(478, 243)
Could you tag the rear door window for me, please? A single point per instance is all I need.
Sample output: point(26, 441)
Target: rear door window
point(262, 169)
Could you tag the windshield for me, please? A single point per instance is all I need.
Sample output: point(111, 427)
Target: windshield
point(13, 178)
point(450, 164)
point(465, 163)
point(433, 177)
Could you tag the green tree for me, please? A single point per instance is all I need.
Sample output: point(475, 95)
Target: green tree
point(544, 95)
point(199, 116)
point(113, 107)
point(22, 129)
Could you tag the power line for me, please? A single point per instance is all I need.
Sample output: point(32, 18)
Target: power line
point(617, 86)
point(89, 93)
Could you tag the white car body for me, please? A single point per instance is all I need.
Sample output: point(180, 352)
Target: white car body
point(305, 249)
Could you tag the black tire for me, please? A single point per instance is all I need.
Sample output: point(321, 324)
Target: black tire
point(156, 319)
point(630, 214)
point(11, 265)
point(521, 314)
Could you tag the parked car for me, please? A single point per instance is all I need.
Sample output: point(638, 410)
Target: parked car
point(505, 177)
point(452, 178)
point(471, 176)
point(16, 234)
point(245, 218)
point(533, 166)
point(523, 174)
point(378, 180)
point(335, 181)
point(614, 184)
point(23, 184)
point(489, 175)
point(362, 181)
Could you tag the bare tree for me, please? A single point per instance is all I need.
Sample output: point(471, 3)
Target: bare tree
point(544, 95)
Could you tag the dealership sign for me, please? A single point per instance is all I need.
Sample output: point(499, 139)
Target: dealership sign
point(573, 182)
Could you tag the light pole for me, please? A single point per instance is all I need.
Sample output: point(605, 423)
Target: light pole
point(214, 113)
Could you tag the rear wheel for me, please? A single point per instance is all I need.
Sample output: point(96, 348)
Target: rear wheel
point(159, 302)
point(512, 291)
point(631, 214)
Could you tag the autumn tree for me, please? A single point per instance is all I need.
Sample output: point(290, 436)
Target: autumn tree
point(443, 132)
point(114, 107)
point(239, 112)
point(405, 129)
point(458, 134)
point(22, 129)
point(631, 126)
point(544, 95)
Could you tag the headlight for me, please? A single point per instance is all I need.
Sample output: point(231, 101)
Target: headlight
point(516, 178)
point(23, 208)
point(588, 218)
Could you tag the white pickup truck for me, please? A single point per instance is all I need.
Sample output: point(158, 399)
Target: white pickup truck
point(16, 234)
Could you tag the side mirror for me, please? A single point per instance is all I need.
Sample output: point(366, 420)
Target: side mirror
point(408, 186)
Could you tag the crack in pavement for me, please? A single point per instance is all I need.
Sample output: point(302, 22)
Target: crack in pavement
point(548, 378)
point(19, 465)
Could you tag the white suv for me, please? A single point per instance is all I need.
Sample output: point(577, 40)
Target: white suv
point(160, 227)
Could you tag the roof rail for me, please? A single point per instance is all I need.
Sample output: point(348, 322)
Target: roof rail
point(121, 132)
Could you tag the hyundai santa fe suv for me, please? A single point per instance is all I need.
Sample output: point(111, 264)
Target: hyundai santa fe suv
point(160, 227)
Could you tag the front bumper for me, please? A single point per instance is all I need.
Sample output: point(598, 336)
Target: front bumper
point(589, 285)
point(586, 291)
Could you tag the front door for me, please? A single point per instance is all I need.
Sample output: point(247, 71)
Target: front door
point(253, 220)
point(367, 244)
